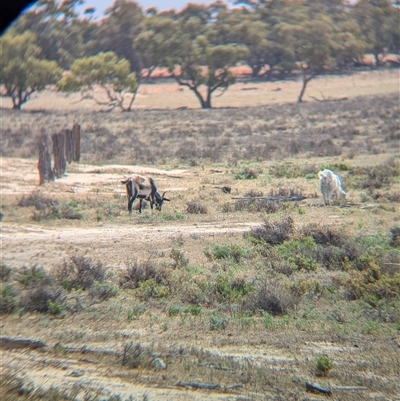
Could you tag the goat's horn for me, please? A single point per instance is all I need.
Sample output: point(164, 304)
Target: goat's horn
point(164, 194)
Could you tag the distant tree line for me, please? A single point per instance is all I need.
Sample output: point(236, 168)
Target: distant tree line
point(198, 45)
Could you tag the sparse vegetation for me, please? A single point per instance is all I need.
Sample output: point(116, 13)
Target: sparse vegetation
point(236, 281)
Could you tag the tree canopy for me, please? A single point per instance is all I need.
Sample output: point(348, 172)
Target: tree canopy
point(199, 44)
point(21, 71)
point(106, 72)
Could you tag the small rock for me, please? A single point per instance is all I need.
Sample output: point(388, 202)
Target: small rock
point(77, 373)
point(159, 364)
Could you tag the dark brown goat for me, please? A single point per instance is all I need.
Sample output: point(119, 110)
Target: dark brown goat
point(143, 188)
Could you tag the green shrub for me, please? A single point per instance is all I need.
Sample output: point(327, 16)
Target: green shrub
point(194, 310)
point(8, 298)
point(395, 237)
point(174, 310)
point(370, 327)
point(232, 288)
point(299, 253)
point(103, 290)
point(246, 173)
point(151, 289)
point(179, 258)
point(54, 308)
point(234, 252)
point(268, 321)
point(135, 312)
point(30, 276)
point(323, 365)
point(285, 170)
point(218, 321)
point(172, 216)
point(5, 272)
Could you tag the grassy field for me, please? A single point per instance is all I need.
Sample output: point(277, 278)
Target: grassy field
point(221, 295)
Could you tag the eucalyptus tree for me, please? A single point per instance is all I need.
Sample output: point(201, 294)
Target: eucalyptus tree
point(104, 71)
point(195, 61)
point(242, 27)
point(22, 73)
point(312, 43)
point(379, 22)
point(156, 41)
point(118, 31)
point(58, 31)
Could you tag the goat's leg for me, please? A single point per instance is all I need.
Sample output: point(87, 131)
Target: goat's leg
point(130, 203)
point(132, 199)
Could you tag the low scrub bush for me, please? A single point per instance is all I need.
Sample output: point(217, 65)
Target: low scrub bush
point(299, 253)
point(135, 355)
point(324, 234)
point(247, 173)
point(38, 200)
point(195, 207)
point(57, 212)
point(282, 190)
point(395, 237)
point(234, 252)
point(273, 297)
point(254, 193)
point(103, 291)
point(39, 299)
point(80, 273)
point(274, 232)
point(231, 287)
point(257, 206)
point(8, 298)
point(172, 216)
point(174, 310)
point(151, 289)
point(5, 272)
point(179, 258)
point(32, 276)
point(286, 170)
point(218, 322)
point(136, 272)
point(323, 365)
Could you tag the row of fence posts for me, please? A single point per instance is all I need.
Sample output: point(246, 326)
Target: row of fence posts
point(65, 147)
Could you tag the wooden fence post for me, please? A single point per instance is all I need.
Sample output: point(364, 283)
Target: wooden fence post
point(69, 145)
point(44, 164)
point(76, 129)
point(60, 163)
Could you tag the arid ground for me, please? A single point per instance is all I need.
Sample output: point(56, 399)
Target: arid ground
point(245, 286)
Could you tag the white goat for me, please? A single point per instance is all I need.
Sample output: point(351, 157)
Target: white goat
point(330, 185)
point(143, 188)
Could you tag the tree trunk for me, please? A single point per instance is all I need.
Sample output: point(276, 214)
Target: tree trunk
point(255, 71)
point(16, 103)
point(129, 108)
point(205, 103)
point(305, 80)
